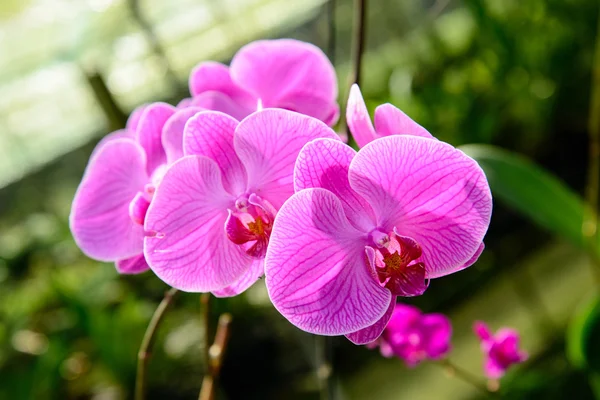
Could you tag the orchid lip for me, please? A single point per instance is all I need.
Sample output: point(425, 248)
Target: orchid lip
point(394, 263)
point(249, 224)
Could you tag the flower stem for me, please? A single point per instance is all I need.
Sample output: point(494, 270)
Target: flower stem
point(148, 342)
point(216, 353)
point(323, 366)
point(358, 47)
point(331, 32)
point(465, 376)
point(590, 222)
point(205, 311)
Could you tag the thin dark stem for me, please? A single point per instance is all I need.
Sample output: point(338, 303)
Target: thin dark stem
point(215, 358)
point(590, 222)
point(205, 310)
point(466, 377)
point(358, 40)
point(331, 33)
point(148, 342)
point(358, 47)
point(323, 366)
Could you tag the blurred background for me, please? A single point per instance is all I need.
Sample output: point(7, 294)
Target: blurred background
point(513, 74)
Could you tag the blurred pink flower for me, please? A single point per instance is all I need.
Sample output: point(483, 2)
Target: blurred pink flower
point(366, 227)
point(209, 223)
point(501, 350)
point(283, 73)
point(414, 336)
point(110, 205)
point(389, 120)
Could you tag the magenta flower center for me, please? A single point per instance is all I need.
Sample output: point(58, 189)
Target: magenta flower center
point(394, 262)
point(250, 223)
point(140, 203)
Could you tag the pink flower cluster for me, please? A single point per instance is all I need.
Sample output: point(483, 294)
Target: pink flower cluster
point(247, 178)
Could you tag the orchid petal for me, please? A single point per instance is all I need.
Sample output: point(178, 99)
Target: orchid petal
point(389, 120)
point(371, 333)
point(118, 134)
point(133, 265)
point(286, 73)
point(359, 121)
point(268, 143)
point(436, 330)
point(482, 330)
point(473, 258)
point(217, 101)
point(149, 132)
point(315, 268)
point(429, 191)
point(210, 134)
point(188, 248)
point(257, 269)
point(324, 163)
point(99, 218)
point(212, 76)
point(172, 133)
point(134, 118)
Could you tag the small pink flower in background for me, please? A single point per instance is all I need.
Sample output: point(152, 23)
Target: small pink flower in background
point(414, 336)
point(283, 73)
point(211, 217)
point(366, 227)
point(110, 205)
point(389, 120)
point(501, 349)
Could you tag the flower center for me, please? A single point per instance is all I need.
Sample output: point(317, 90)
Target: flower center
point(140, 203)
point(249, 224)
point(393, 262)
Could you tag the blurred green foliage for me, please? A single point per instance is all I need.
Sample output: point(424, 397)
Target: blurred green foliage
point(510, 73)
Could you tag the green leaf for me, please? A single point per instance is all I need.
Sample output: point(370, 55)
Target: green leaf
point(583, 346)
point(531, 190)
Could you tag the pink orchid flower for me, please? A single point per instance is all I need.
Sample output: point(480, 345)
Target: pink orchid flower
point(110, 205)
point(389, 120)
point(211, 217)
point(501, 350)
point(283, 73)
point(363, 228)
point(414, 336)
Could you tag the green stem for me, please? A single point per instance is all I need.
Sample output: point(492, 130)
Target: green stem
point(467, 377)
point(148, 342)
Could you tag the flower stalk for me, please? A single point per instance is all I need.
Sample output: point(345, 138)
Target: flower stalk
point(590, 222)
point(465, 376)
point(148, 342)
point(216, 353)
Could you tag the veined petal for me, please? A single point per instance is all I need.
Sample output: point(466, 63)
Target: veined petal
point(473, 258)
point(218, 101)
point(315, 268)
point(257, 269)
point(429, 191)
point(268, 143)
point(213, 76)
point(358, 118)
point(99, 218)
point(172, 134)
point(210, 134)
point(133, 265)
point(389, 120)
point(149, 132)
point(371, 333)
point(324, 163)
point(187, 247)
point(285, 73)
